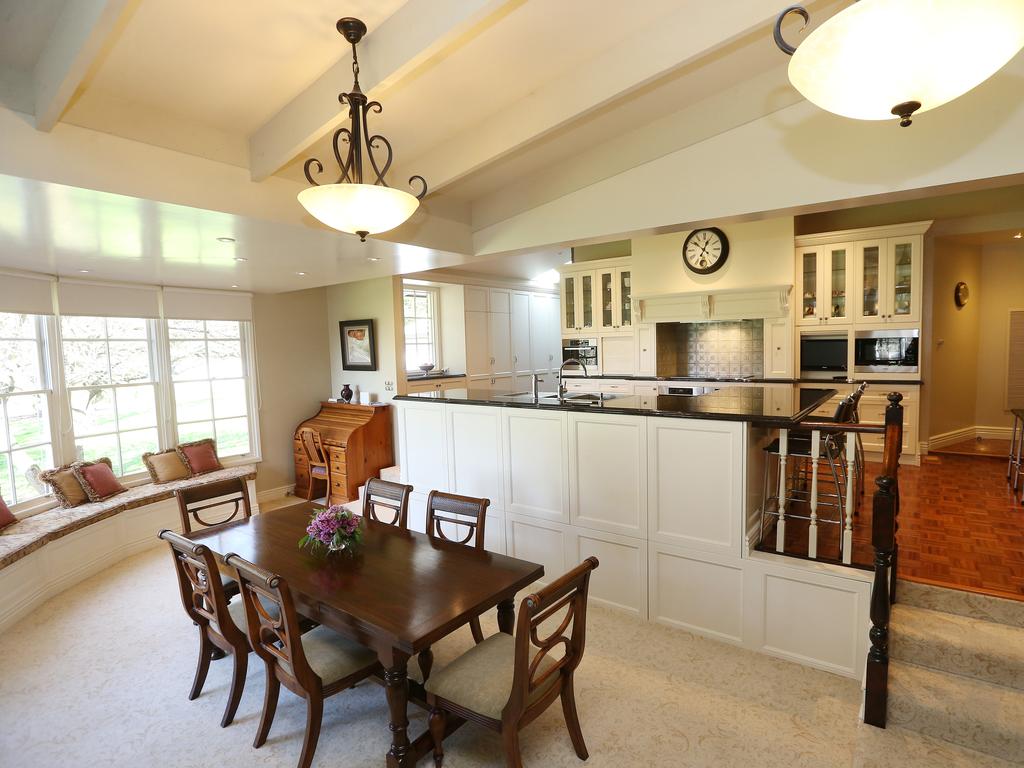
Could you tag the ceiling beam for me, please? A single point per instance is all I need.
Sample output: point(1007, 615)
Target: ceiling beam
point(416, 32)
point(77, 39)
point(672, 42)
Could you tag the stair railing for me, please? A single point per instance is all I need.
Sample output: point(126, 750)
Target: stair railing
point(884, 525)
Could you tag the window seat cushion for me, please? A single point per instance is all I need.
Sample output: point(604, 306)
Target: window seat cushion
point(26, 536)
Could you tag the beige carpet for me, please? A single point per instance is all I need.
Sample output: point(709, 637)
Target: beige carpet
point(99, 677)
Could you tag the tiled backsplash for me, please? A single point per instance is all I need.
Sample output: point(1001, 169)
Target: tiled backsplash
point(714, 350)
point(725, 349)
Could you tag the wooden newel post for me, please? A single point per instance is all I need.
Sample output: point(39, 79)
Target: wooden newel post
point(885, 509)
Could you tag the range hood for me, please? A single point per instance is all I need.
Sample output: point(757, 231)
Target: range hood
point(767, 302)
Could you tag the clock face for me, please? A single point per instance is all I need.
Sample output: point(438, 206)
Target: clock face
point(705, 250)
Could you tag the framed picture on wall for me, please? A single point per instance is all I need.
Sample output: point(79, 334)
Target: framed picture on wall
point(358, 345)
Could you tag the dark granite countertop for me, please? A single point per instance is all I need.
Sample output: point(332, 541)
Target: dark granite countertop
point(779, 405)
point(432, 375)
point(748, 380)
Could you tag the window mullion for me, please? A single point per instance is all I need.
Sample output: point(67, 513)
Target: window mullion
point(165, 388)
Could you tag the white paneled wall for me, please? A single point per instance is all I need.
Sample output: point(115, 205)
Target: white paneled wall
point(661, 503)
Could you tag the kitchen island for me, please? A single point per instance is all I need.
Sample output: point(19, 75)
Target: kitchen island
point(664, 489)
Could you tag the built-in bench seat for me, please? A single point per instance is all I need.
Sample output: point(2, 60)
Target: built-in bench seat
point(26, 536)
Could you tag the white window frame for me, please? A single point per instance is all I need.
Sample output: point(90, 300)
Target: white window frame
point(152, 340)
point(434, 297)
point(248, 376)
point(43, 325)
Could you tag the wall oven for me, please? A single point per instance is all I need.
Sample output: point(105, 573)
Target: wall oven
point(580, 349)
point(886, 351)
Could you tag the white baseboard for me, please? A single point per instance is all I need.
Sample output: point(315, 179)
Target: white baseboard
point(274, 494)
point(966, 433)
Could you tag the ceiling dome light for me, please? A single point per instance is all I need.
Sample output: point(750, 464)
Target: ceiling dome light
point(879, 58)
point(348, 204)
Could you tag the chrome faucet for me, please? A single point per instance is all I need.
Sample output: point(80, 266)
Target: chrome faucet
point(561, 386)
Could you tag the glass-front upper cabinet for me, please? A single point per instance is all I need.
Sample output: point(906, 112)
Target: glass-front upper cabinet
point(569, 285)
point(824, 275)
point(889, 288)
point(614, 285)
point(586, 313)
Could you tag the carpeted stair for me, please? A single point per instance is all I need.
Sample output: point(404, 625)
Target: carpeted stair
point(957, 669)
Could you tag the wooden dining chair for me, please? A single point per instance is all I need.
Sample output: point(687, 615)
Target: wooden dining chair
point(192, 501)
point(383, 494)
point(203, 596)
point(313, 666)
point(316, 459)
point(448, 515)
point(505, 682)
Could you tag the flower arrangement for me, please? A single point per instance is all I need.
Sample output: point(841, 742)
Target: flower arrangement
point(333, 529)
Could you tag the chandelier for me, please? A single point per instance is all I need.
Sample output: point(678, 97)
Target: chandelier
point(349, 204)
point(879, 58)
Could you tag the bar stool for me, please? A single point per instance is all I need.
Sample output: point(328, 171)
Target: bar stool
point(799, 445)
point(1016, 460)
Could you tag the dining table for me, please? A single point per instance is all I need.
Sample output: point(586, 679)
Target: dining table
point(397, 592)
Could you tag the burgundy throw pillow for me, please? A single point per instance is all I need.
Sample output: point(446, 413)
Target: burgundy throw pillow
point(200, 457)
point(6, 516)
point(98, 480)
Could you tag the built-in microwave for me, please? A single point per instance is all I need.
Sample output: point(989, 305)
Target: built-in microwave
point(824, 355)
point(886, 351)
point(584, 350)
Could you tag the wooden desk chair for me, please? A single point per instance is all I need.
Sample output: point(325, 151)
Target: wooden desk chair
point(384, 494)
point(314, 666)
point(504, 682)
point(205, 602)
point(457, 512)
point(317, 461)
point(224, 492)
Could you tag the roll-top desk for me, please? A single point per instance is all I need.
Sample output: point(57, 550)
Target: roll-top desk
point(358, 443)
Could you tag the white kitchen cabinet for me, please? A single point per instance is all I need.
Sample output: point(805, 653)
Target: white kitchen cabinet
point(617, 354)
point(614, 291)
point(646, 355)
point(476, 298)
point(424, 458)
point(477, 461)
point(825, 276)
point(621, 580)
point(499, 300)
point(499, 339)
point(778, 349)
point(478, 347)
point(519, 322)
point(435, 385)
point(697, 592)
point(545, 340)
point(579, 297)
point(608, 472)
point(889, 281)
point(536, 444)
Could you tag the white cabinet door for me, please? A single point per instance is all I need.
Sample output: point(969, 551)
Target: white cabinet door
point(424, 457)
point(903, 279)
point(607, 299)
point(617, 355)
point(520, 330)
point(869, 300)
point(536, 451)
point(570, 285)
point(476, 299)
point(475, 445)
point(554, 337)
point(539, 541)
point(500, 342)
point(778, 349)
point(808, 269)
point(696, 485)
point(540, 316)
point(499, 300)
point(621, 580)
point(478, 354)
point(608, 472)
point(699, 592)
point(645, 351)
point(836, 279)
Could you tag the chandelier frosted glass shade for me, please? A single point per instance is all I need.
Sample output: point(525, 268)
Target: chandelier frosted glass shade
point(360, 209)
point(878, 55)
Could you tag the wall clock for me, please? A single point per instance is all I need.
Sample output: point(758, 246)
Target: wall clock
point(961, 294)
point(705, 250)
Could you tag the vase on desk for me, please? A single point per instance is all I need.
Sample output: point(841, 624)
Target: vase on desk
point(346, 393)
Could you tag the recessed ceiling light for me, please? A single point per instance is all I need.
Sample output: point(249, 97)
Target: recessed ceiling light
point(234, 286)
point(1018, 236)
point(84, 271)
point(373, 258)
point(301, 274)
point(225, 239)
point(240, 258)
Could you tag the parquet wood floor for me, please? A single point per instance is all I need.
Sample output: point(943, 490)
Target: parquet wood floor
point(999, 449)
point(960, 527)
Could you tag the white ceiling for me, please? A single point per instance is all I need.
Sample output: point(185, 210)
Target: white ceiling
point(25, 26)
point(63, 230)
